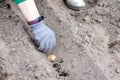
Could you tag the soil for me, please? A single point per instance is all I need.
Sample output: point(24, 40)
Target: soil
point(88, 42)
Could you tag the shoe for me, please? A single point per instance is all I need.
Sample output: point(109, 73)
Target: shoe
point(75, 4)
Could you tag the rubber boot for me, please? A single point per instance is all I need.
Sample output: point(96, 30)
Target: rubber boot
point(75, 4)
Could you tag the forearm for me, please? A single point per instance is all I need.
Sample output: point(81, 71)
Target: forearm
point(28, 9)
point(43, 35)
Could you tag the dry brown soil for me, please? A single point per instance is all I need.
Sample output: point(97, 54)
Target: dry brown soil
point(88, 42)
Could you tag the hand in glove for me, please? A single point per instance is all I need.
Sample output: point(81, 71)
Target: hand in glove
point(44, 36)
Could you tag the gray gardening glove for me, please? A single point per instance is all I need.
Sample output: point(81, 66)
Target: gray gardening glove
point(44, 37)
